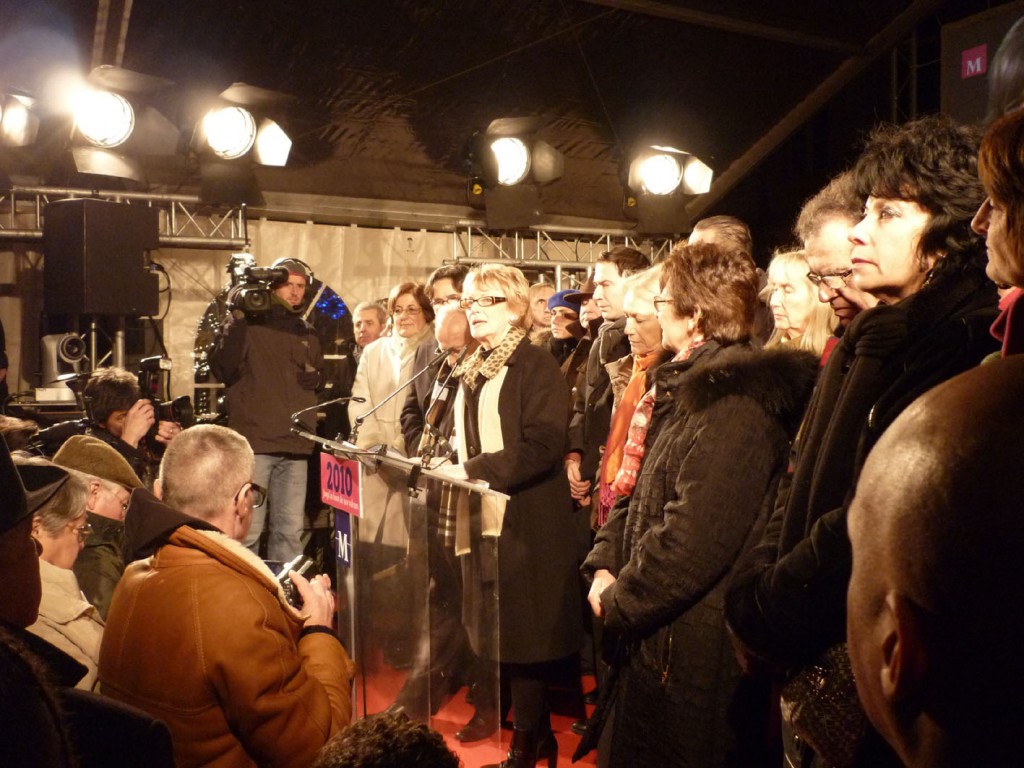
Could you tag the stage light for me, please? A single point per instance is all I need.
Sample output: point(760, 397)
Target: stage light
point(272, 144)
point(512, 158)
point(19, 124)
point(657, 170)
point(105, 119)
point(697, 176)
point(230, 131)
point(660, 174)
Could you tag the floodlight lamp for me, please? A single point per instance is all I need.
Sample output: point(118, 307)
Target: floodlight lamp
point(272, 144)
point(660, 173)
point(104, 118)
point(513, 159)
point(19, 125)
point(697, 176)
point(230, 131)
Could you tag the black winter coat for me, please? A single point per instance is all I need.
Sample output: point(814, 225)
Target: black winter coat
point(788, 601)
point(538, 552)
point(271, 368)
point(717, 444)
point(592, 416)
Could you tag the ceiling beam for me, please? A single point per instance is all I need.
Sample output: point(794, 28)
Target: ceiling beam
point(729, 24)
point(815, 100)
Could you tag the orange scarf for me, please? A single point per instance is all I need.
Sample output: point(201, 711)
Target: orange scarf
point(619, 431)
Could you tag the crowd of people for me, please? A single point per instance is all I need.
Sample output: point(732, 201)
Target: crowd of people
point(727, 481)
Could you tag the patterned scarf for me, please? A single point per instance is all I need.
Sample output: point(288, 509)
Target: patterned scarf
point(617, 435)
point(633, 453)
point(487, 364)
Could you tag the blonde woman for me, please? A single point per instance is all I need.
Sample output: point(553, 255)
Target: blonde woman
point(520, 556)
point(800, 319)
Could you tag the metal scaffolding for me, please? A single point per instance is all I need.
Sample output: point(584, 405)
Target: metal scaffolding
point(185, 222)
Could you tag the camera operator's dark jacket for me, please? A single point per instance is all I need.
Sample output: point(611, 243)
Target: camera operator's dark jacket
point(271, 366)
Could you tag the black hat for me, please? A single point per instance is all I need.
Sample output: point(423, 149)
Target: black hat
point(13, 508)
point(585, 292)
point(40, 481)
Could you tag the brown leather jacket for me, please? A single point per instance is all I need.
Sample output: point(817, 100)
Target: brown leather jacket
point(199, 635)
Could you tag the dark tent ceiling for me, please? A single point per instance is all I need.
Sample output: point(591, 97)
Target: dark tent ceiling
point(387, 92)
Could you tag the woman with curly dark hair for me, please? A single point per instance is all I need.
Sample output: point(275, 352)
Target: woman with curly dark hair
point(914, 251)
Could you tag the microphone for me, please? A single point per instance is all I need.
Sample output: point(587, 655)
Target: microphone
point(295, 416)
point(392, 395)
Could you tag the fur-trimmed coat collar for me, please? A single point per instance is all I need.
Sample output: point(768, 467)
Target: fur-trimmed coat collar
point(780, 379)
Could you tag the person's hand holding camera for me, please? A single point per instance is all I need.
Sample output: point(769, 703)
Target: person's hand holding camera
point(317, 599)
point(137, 421)
point(167, 431)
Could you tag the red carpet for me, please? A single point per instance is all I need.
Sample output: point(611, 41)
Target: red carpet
point(384, 686)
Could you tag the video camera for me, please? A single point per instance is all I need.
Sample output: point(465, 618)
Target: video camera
point(251, 286)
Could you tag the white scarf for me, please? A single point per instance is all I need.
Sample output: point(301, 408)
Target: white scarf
point(492, 508)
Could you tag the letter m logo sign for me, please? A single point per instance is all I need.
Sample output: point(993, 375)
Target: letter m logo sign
point(974, 62)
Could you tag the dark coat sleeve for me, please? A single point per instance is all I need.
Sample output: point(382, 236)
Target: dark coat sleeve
point(533, 428)
point(789, 611)
point(703, 529)
point(228, 349)
point(411, 419)
point(607, 550)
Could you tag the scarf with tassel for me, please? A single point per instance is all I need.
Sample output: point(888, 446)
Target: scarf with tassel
point(614, 448)
point(633, 452)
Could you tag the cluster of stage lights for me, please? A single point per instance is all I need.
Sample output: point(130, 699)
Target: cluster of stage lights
point(106, 120)
point(656, 170)
point(664, 170)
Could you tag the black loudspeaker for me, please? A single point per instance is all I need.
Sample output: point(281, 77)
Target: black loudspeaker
point(95, 258)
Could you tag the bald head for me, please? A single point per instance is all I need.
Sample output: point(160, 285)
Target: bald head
point(938, 560)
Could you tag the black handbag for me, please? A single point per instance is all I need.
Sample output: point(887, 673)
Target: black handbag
point(820, 704)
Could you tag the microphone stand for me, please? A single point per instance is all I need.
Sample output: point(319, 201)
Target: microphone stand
point(431, 446)
point(391, 396)
point(295, 416)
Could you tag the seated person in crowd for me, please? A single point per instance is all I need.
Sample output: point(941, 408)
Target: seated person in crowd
point(933, 626)
point(46, 722)
point(66, 620)
point(384, 741)
point(121, 417)
point(111, 480)
point(255, 681)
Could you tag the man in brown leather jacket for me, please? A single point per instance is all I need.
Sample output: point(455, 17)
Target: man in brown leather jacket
point(199, 632)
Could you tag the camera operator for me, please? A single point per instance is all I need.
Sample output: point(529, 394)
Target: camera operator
point(122, 418)
point(270, 360)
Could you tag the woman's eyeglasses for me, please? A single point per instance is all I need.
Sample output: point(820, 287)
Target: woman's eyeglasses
point(399, 311)
point(81, 531)
point(483, 301)
point(834, 280)
point(658, 301)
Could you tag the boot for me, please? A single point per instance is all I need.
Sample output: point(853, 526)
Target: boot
point(525, 750)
